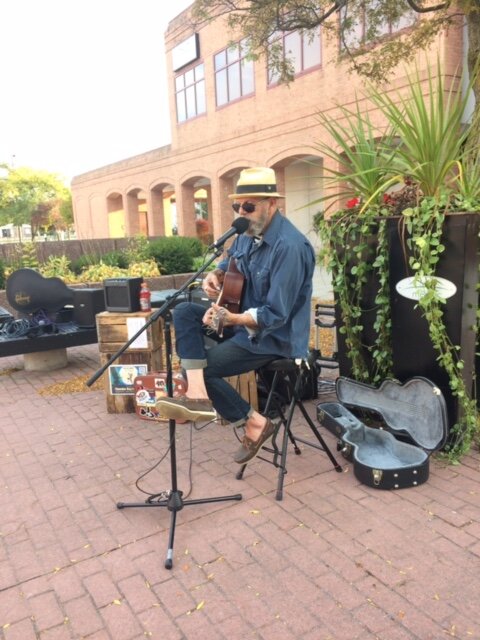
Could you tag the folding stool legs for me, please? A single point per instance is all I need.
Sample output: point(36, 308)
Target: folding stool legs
point(293, 380)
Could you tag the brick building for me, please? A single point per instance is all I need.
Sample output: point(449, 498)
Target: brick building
point(228, 114)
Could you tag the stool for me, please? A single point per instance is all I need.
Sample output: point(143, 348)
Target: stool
point(286, 372)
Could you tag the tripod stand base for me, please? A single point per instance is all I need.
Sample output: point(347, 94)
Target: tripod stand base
point(174, 504)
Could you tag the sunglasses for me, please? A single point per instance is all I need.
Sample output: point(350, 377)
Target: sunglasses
point(248, 207)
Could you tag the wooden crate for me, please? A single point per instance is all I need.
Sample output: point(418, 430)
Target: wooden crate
point(112, 331)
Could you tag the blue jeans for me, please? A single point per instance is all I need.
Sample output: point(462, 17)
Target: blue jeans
point(219, 361)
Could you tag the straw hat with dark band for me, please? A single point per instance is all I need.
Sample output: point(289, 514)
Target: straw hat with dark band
point(258, 182)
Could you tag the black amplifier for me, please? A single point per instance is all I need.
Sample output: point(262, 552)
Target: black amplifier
point(86, 304)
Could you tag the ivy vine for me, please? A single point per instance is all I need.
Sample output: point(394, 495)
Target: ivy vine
point(425, 225)
point(352, 258)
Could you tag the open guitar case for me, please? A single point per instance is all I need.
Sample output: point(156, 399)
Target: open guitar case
point(410, 424)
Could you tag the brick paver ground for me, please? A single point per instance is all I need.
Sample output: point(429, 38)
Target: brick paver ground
point(335, 560)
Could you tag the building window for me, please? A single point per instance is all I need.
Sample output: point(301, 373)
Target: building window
point(362, 29)
point(190, 93)
point(6, 233)
point(233, 74)
point(302, 49)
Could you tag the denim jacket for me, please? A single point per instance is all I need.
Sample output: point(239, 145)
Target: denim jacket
point(278, 283)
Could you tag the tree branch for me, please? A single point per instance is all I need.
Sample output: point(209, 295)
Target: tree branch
point(290, 23)
point(413, 5)
point(337, 6)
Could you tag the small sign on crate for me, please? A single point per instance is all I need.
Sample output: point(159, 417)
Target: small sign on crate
point(122, 378)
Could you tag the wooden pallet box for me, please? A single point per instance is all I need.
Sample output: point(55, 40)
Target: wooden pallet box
point(114, 330)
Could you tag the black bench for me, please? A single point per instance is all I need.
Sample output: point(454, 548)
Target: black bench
point(51, 320)
point(47, 342)
point(49, 349)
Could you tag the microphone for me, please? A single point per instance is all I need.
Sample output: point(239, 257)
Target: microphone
point(240, 225)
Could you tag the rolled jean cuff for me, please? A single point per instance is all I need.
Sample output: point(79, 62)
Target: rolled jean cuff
point(188, 363)
point(240, 423)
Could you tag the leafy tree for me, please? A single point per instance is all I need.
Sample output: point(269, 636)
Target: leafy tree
point(65, 208)
point(28, 196)
point(260, 20)
point(60, 217)
point(39, 218)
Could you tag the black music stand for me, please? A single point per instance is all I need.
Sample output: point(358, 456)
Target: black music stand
point(174, 501)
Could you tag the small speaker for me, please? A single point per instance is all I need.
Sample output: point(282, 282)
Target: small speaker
point(122, 294)
point(86, 304)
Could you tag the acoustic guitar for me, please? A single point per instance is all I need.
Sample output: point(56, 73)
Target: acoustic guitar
point(230, 297)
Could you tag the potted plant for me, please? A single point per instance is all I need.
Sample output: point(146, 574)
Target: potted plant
point(411, 215)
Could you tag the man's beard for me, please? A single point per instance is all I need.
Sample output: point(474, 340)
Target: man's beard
point(256, 227)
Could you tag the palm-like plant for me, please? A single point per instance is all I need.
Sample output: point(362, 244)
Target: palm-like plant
point(364, 154)
point(423, 141)
point(428, 123)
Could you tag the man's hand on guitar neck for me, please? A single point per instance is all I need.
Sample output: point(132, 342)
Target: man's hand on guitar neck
point(218, 317)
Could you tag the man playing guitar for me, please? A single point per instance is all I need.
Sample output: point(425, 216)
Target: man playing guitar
point(272, 320)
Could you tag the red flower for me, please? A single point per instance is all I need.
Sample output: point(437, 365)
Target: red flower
point(352, 203)
point(387, 199)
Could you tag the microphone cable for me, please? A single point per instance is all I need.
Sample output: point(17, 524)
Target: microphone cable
point(162, 496)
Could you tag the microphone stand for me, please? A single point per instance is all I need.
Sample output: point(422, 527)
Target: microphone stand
point(174, 501)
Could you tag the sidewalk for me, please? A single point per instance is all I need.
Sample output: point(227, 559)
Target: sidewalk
point(335, 560)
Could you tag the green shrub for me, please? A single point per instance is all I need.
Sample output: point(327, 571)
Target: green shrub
point(138, 249)
point(175, 254)
point(146, 269)
point(57, 267)
point(98, 272)
point(84, 261)
point(29, 255)
point(24, 255)
point(198, 264)
point(112, 259)
point(115, 259)
point(194, 245)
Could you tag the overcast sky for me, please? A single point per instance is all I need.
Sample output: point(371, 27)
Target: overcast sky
point(82, 82)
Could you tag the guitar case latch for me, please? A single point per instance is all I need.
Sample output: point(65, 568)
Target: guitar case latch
point(377, 476)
